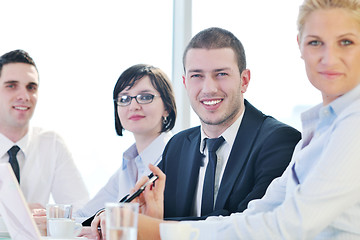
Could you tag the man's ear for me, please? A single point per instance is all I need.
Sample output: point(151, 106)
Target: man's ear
point(184, 82)
point(245, 80)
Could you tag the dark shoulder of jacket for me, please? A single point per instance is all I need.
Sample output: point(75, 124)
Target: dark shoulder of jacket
point(271, 124)
point(274, 126)
point(177, 141)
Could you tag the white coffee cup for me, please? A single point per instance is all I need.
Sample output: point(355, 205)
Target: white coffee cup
point(178, 231)
point(63, 228)
point(60, 223)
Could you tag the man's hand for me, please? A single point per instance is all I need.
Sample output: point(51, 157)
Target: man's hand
point(35, 206)
point(39, 214)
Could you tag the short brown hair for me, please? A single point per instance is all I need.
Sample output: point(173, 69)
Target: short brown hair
point(214, 38)
point(16, 56)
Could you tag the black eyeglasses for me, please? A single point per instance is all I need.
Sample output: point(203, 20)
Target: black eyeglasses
point(125, 100)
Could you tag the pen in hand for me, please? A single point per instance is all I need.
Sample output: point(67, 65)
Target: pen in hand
point(140, 190)
point(128, 199)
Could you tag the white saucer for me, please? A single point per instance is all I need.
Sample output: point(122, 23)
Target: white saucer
point(75, 238)
point(4, 234)
point(2, 226)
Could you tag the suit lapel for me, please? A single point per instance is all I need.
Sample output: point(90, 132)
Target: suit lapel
point(243, 145)
point(187, 180)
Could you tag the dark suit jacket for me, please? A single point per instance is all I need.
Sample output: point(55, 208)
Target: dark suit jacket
point(262, 150)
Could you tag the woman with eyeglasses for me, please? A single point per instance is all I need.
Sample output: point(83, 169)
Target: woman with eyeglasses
point(144, 104)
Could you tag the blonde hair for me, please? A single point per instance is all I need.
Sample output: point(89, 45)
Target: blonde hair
point(308, 6)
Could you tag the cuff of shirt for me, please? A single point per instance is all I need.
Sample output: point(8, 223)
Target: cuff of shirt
point(207, 229)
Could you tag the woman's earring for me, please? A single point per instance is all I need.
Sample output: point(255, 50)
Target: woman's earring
point(165, 120)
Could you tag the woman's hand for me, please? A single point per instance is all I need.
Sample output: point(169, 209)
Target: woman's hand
point(86, 232)
point(151, 201)
point(99, 220)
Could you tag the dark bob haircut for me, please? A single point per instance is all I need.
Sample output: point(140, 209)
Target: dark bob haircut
point(160, 82)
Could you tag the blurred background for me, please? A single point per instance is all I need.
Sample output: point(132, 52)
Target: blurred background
point(81, 47)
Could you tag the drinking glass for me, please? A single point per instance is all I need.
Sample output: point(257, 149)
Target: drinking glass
point(121, 221)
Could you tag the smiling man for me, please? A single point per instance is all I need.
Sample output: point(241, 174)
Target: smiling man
point(41, 162)
point(254, 148)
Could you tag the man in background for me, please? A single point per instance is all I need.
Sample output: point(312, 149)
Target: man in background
point(40, 159)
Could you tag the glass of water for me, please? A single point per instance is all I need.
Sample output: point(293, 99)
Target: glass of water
point(121, 221)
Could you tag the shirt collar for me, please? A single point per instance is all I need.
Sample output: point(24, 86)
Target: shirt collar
point(6, 144)
point(339, 104)
point(154, 150)
point(24, 143)
point(319, 115)
point(229, 134)
point(128, 155)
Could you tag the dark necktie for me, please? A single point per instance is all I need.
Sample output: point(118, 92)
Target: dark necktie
point(207, 203)
point(14, 162)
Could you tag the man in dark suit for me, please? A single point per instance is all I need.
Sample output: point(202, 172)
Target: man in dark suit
point(257, 148)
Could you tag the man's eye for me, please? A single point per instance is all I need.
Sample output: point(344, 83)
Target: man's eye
point(32, 87)
point(195, 76)
point(222, 74)
point(10, 86)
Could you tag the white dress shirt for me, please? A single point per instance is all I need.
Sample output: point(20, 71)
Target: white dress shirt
point(134, 166)
point(46, 167)
point(222, 154)
point(318, 196)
